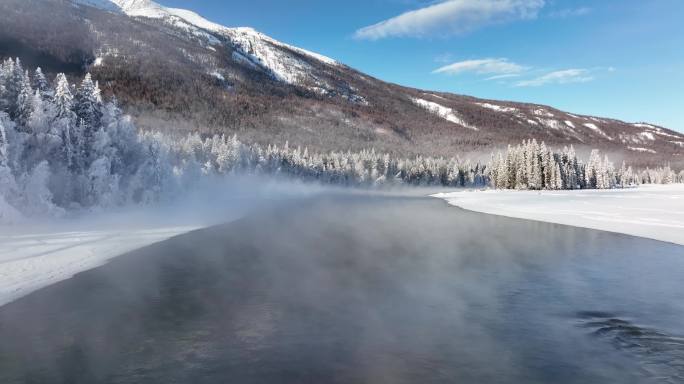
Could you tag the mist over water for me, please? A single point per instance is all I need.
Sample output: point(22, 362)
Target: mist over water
point(352, 288)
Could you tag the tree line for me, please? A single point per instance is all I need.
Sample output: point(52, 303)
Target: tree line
point(531, 165)
point(62, 148)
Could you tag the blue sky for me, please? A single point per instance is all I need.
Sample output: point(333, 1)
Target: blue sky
point(613, 58)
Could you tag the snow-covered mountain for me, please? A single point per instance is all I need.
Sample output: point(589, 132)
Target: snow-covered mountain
point(253, 48)
point(174, 69)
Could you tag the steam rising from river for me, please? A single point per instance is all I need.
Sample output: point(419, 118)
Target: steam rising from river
point(339, 287)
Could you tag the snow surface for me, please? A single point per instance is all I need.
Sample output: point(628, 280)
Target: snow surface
point(650, 211)
point(542, 112)
point(498, 108)
point(218, 75)
point(643, 125)
point(544, 117)
point(259, 49)
point(550, 123)
point(273, 55)
point(596, 129)
point(264, 52)
point(640, 149)
point(433, 95)
point(647, 136)
point(446, 113)
point(593, 127)
point(660, 132)
point(32, 260)
point(35, 253)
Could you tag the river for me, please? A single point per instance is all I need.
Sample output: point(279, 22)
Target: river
point(361, 289)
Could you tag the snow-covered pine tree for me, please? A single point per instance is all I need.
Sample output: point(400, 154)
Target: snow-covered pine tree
point(117, 164)
point(8, 186)
point(546, 167)
point(24, 102)
point(88, 108)
point(11, 75)
point(41, 84)
point(65, 120)
point(4, 142)
point(593, 170)
point(557, 177)
point(63, 98)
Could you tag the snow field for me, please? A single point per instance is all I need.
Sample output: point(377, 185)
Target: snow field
point(29, 262)
point(650, 211)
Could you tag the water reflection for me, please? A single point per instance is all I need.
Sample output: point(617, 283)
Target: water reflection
point(360, 289)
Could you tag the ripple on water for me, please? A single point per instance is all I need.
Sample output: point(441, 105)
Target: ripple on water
point(660, 355)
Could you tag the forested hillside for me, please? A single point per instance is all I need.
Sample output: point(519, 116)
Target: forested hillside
point(63, 147)
point(177, 73)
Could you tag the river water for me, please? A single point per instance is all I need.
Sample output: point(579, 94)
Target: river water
point(362, 289)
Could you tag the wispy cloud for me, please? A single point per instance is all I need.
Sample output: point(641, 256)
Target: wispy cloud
point(502, 77)
point(500, 67)
point(451, 17)
point(566, 76)
point(508, 72)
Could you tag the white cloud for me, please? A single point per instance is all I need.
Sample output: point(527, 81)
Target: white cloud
point(506, 72)
point(566, 76)
point(497, 67)
point(504, 76)
point(450, 17)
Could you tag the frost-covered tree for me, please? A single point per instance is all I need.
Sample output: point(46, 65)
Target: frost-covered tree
point(63, 98)
point(41, 84)
point(63, 152)
point(8, 186)
point(103, 187)
point(37, 194)
point(88, 109)
point(563, 170)
point(11, 79)
point(24, 103)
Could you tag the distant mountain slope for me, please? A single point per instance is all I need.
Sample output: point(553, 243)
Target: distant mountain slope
point(177, 71)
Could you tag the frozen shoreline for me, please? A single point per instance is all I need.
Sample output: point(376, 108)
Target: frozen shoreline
point(37, 253)
point(36, 256)
point(651, 211)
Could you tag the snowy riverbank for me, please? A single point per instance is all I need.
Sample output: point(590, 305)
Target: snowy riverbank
point(40, 252)
point(650, 211)
point(30, 261)
point(36, 254)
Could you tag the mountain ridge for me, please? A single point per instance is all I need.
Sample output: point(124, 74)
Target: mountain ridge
point(175, 70)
